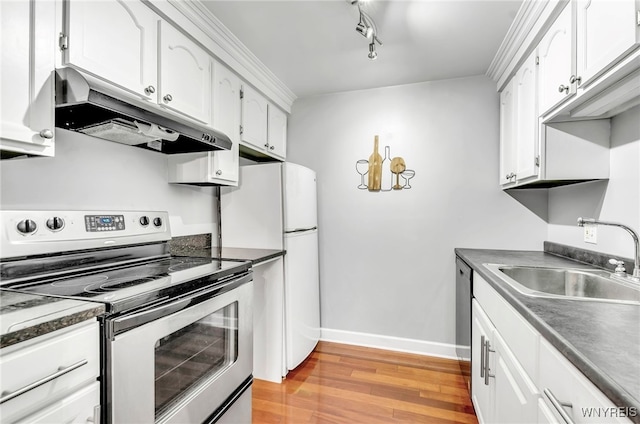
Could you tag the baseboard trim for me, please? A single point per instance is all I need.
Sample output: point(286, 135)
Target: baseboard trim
point(398, 344)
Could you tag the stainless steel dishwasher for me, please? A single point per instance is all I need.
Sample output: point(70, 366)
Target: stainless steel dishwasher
point(464, 293)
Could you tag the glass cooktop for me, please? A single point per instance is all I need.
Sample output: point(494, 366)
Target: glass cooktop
point(130, 286)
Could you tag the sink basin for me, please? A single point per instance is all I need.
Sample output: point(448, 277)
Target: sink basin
point(569, 283)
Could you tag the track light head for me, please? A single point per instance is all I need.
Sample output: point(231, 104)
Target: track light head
point(364, 30)
point(373, 55)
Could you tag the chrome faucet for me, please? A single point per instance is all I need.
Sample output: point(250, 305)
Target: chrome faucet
point(634, 235)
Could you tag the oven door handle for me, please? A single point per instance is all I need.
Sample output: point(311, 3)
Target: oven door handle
point(127, 322)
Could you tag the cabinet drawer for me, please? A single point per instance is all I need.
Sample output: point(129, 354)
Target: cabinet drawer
point(55, 365)
point(518, 334)
point(562, 380)
point(81, 407)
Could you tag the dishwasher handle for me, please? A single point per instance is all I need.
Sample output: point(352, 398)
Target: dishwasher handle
point(7, 395)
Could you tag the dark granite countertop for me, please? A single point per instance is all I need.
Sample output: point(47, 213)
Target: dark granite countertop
point(256, 256)
point(25, 316)
point(601, 339)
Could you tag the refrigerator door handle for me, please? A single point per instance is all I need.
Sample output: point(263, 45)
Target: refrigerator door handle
point(301, 230)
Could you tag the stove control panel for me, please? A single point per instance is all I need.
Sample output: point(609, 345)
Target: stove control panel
point(104, 222)
point(25, 233)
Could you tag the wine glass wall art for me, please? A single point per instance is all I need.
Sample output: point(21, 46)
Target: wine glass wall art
point(383, 174)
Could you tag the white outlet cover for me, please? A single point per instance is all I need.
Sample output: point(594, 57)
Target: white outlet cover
point(591, 234)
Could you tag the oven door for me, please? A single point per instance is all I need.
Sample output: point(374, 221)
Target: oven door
point(181, 367)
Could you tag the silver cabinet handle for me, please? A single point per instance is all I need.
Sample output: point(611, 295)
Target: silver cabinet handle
point(564, 88)
point(266, 144)
point(219, 172)
point(559, 406)
point(7, 395)
point(46, 133)
point(168, 98)
point(149, 90)
point(510, 175)
point(575, 79)
point(272, 147)
point(487, 374)
point(482, 363)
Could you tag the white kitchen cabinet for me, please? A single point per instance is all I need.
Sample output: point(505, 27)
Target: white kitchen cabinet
point(519, 151)
point(220, 167)
point(277, 132)
point(27, 53)
point(264, 126)
point(502, 392)
point(125, 55)
point(606, 30)
point(185, 75)
point(555, 63)
point(564, 389)
point(254, 118)
point(64, 365)
point(268, 321)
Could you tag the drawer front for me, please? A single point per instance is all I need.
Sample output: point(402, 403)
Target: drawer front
point(81, 407)
point(518, 334)
point(55, 365)
point(563, 381)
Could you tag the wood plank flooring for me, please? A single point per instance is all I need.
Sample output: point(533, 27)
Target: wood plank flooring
point(352, 384)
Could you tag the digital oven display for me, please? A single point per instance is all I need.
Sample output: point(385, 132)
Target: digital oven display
point(95, 223)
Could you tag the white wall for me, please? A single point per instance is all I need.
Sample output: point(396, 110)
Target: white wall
point(617, 200)
point(93, 174)
point(386, 259)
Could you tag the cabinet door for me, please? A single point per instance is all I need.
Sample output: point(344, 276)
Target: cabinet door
point(515, 394)
point(555, 52)
point(254, 118)
point(606, 31)
point(527, 119)
point(124, 55)
point(185, 75)
point(277, 130)
point(481, 393)
point(81, 407)
point(26, 78)
point(507, 134)
point(226, 118)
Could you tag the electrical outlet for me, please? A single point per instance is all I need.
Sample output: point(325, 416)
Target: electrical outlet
point(591, 234)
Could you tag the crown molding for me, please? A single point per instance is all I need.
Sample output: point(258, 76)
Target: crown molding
point(528, 27)
point(227, 48)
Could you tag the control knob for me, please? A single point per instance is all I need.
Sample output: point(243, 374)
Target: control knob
point(55, 223)
point(157, 221)
point(144, 221)
point(27, 226)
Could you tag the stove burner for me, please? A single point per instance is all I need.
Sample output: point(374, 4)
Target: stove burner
point(82, 281)
point(118, 284)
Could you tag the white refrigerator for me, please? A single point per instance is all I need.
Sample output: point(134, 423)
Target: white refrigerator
point(275, 207)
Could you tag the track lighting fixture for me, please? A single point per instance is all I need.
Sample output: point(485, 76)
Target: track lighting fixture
point(367, 28)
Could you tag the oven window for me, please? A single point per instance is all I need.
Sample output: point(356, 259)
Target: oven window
point(194, 355)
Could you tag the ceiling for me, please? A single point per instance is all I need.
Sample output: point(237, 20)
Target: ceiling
point(313, 48)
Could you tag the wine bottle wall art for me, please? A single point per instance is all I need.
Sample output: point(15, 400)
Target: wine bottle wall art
point(383, 174)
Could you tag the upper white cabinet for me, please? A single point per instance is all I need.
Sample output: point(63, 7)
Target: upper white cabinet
point(219, 167)
point(125, 55)
point(254, 118)
point(519, 152)
point(27, 52)
point(264, 126)
point(185, 75)
point(606, 30)
point(143, 55)
point(277, 132)
point(555, 63)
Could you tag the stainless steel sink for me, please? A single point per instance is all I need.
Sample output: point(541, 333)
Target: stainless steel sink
point(565, 283)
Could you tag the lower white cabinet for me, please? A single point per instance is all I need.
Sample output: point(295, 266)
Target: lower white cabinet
point(52, 378)
point(502, 391)
point(268, 321)
point(27, 53)
point(519, 377)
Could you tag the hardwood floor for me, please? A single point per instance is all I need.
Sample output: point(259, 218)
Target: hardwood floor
point(351, 384)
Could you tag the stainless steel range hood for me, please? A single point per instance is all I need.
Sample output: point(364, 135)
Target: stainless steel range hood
point(90, 106)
